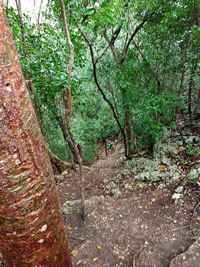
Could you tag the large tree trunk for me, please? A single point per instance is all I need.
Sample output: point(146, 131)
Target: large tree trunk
point(31, 228)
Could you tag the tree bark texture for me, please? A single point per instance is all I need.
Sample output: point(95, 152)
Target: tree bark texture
point(31, 229)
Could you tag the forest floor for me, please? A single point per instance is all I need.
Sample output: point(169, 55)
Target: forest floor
point(132, 222)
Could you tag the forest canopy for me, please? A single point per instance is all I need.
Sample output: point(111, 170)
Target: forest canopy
point(135, 64)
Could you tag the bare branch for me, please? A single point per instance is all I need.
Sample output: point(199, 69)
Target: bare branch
point(102, 54)
point(136, 30)
point(106, 99)
point(111, 42)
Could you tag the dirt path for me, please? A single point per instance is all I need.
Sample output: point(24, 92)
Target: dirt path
point(144, 227)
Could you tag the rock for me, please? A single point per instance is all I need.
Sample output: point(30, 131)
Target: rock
point(179, 189)
point(173, 149)
point(59, 178)
point(151, 176)
point(179, 143)
point(169, 174)
point(174, 174)
point(193, 175)
point(111, 185)
point(190, 258)
point(106, 180)
point(161, 186)
point(74, 206)
point(143, 176)
point(165, 160)
point(164, 150)
point(113, 189)
point(177, 196)
point(125, 172)
point(192, 139)
point(157, 176)
point(166, 134)
point(116, 193)
point(140, 163)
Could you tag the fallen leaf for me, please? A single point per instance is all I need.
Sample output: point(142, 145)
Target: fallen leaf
point(99, 247)
point(198, 218)
point(162, 168)
point(74, 252)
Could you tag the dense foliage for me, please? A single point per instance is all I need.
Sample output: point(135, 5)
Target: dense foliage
point(136, 64)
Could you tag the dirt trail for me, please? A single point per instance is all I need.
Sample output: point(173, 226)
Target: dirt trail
point(144, 228)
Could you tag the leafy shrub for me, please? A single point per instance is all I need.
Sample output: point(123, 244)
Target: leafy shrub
point(151, 114)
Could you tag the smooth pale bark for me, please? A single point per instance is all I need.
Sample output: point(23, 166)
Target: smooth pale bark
point(31, 229)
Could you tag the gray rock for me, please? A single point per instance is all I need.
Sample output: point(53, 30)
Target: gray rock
point(179, 189)
point(172, 149)
point(112, 185)
point(59, 178)
point(151, 176)
point(177, 196)
point(116, 193)
point(74, 206)
point(175, 176)
point(112, 189)
point(165, 160)
point(161, 186)
point(179, 143)
point(194, 174)
point(192, 139)
point(144, 163)
point(125, 172)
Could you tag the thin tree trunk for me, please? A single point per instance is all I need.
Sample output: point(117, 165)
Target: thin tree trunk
point(128, 130)
point(39, 14)
point(110, 88)
point(197, 107)
point(183, 71)
point(67, 99)
point(70, 59)
point(32, 231)
point(190, 100)
point(57, 163)
point(77, 158)
point(105, 147)
point(190, 89)
point(21, 22)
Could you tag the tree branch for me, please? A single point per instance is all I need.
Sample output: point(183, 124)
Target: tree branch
point(21, 22)
point(136, 30)
point(68, 39)
point(39, 13)
point(106, 99)
point(150, 68)
point(111, 42)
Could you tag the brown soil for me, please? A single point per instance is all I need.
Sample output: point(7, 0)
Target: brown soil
point(143, 228)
